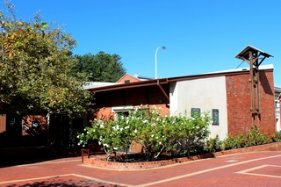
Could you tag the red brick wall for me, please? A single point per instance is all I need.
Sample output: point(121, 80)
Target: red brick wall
point(129, 78)
point(162, 108)
point(104, 113)
point(2, 123)
point(239, 104)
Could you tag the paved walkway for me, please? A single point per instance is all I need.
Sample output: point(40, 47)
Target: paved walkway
point(257, 169)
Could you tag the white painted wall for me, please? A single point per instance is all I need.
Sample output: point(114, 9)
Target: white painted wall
point(206, 94)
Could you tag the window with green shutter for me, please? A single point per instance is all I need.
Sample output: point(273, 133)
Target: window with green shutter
point(195, 112)
point(215, 116)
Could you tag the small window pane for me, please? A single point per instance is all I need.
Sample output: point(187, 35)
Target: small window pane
point(215, 116)
point(195, 112)
point(123, 113)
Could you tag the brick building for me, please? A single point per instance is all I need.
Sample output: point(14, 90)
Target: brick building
point(112, 102)
point(224, 95)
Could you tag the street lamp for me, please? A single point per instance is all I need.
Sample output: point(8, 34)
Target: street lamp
point(155, 58)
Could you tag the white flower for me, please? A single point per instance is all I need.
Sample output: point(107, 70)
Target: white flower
point(152, 135)
point(78, 136)
point(127, 127)
point(135, 131)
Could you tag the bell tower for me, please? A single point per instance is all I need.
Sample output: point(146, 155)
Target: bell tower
point(254, 57)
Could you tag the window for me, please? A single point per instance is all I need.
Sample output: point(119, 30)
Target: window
point(215, 116)
point(195, 112)
point(123, 113)
point(126, 110)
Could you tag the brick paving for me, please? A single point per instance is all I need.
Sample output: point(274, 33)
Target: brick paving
point(255, 169)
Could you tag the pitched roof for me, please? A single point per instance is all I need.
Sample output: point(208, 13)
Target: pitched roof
point(163, 81)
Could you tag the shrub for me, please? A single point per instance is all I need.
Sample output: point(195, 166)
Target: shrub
point(251, 138)
point(233, 142)
point(277, 136)
point(177, 134)
point(254, 137)
point(191, 134)
point(214, 144)
point(112, 135)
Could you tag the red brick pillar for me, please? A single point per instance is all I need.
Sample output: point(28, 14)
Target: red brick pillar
point(2, 123)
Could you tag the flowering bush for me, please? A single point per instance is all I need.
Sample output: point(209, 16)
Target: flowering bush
point(177, 134)
point(251, 138)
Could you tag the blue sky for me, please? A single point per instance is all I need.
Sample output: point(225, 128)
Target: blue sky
point(200, 35)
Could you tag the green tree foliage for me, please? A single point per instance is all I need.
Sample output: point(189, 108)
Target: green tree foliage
point(35, 67)
point(101, 67)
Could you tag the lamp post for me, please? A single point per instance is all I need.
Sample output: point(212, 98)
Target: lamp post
point(155, 59)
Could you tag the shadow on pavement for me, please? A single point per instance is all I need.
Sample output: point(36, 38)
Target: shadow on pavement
point(11, 156)
point(69, 183)
point(47, 184)
point(64, 183)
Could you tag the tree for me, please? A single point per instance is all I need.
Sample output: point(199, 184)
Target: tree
point(101, 67)
point(35, 68)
